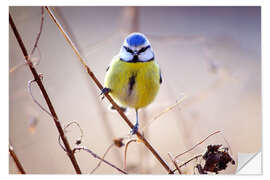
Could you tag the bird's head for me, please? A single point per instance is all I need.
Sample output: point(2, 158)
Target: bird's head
point(136, 48)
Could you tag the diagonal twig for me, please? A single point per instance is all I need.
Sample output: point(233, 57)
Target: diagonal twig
point(96, 156)
point(94, 78)
point(39, 33)
point(197, 144)
point(45, 95)
point(174, 163)
point(185, 163)
point(99, 163)
point(16, 160)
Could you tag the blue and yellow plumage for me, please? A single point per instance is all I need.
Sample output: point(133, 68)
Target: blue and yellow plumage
point(133, 77)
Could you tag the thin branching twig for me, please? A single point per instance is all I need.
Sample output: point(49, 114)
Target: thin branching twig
point(39, 33)
point(185, 163)
point(78, 141)
point(29, 87)
point(164, 111)
point(34, 61)
point(97, 82)
point(96, 156)
point(45, 95)
point(197, 144)
point(16, 160)
point(174, 163)
point(99, 163)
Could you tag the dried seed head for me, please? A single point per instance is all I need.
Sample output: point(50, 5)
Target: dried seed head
point(78, 141)
point(118, 142)
point(216, 158)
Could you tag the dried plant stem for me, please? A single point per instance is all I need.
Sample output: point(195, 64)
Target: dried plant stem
point(175, 164)
point(39, 33)
point(45, 95)
point(197, 144)
point(106, 152)
point(16, 160)
point(78, 141)
point(96, 156)
point(163, 112)
point(93, 77)
point(125, 156)
point(29, 86)
point(196, 157)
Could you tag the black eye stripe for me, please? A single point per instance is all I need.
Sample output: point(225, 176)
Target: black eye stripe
point(140, 51)
point(143, 49)
point(128, 50)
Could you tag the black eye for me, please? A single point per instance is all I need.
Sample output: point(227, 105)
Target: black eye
point(143, 49)
point(128, 50)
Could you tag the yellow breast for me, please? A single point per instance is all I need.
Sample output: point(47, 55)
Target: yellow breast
point(133, 84)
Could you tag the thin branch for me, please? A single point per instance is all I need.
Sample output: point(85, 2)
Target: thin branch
point(99, 163)
point(78, 141)
point(39, 33)
point(197, 144)
point(29, 86)
point(226, 142)
point(96, 156)
point(16, 67)
point(125, 156)
point(16, 160)
point(35, 45)
point(174, 162)
point(93, 77)
point(170, 108)
point(35, 61)
point(196, 157)
point(45, 95)
point(164, 111)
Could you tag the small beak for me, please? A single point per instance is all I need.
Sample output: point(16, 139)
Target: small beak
point(135, 53)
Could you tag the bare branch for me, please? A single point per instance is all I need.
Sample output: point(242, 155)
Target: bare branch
point(96, 156)
point(16, 160)
point(45, 95)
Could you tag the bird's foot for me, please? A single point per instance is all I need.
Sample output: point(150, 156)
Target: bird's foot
point(105, 91)
point(134, 129)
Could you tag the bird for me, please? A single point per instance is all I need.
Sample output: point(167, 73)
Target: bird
point(133, 77)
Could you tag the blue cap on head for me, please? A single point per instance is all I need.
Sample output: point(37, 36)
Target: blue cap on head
point(136, 39)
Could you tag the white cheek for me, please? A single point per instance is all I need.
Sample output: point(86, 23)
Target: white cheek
point(147, 55)
point(126, 56)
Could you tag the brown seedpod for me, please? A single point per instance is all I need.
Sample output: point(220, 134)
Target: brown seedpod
point(216, 159)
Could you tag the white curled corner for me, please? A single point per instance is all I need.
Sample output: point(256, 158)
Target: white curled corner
point(249, 163)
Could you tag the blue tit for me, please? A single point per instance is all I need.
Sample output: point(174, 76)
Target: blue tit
point(133, 77)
